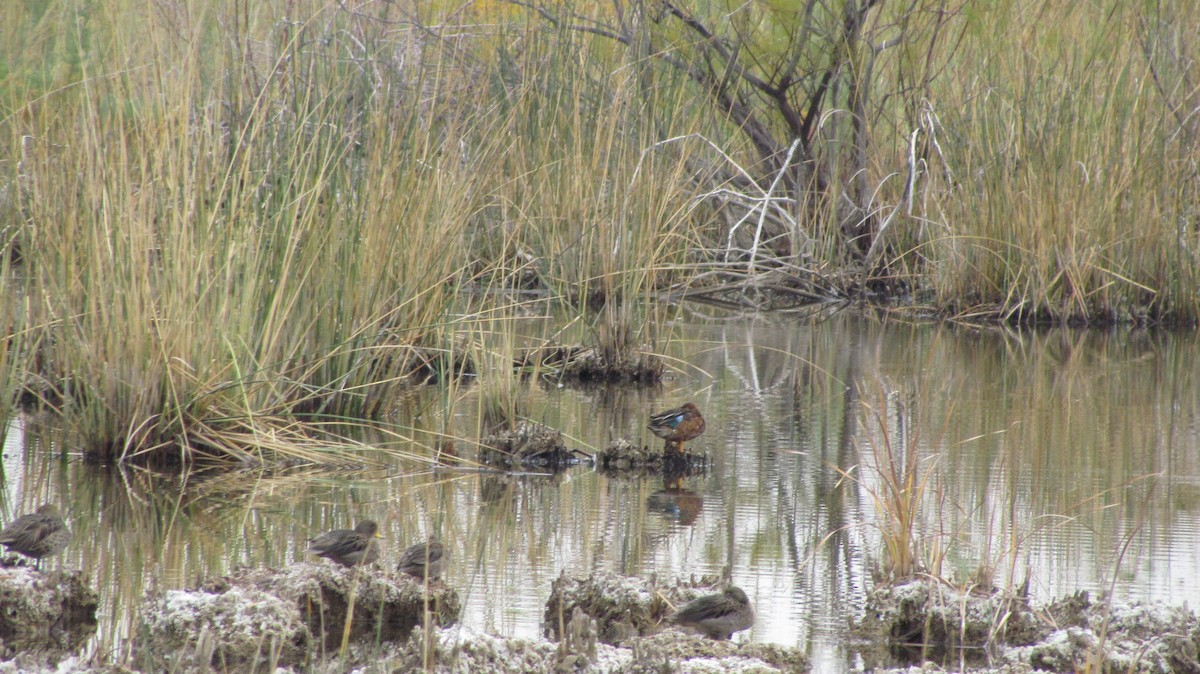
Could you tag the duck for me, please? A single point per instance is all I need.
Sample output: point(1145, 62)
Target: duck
point(348, 547)
point(678, 425)
point(38, 534)
point(717, 615)
point(425, 561)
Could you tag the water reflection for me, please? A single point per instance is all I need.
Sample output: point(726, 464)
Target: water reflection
point(675, 502)
point(1068, 457)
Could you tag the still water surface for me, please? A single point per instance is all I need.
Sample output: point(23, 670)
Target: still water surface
point(1069, 458)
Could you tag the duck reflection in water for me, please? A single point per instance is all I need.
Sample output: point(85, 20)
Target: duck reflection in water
point(675, 503)
point(678, 425)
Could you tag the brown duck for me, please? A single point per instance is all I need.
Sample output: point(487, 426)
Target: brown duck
point(348, 547)
point(37, 535)
point(717, 615)
point(425, 560)
point(678, 425)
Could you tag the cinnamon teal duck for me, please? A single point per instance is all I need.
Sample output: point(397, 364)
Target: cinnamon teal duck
point(678, 425)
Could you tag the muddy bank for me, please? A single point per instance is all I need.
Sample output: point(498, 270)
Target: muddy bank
point(926, 620)
point(621, 457)
point(529, 445)
point(603, 623)
point(595, 365)
point(463, 651)
point(294, 619)
point(291, 620)
point(1140, 637)
point(44, 616)
point(284, 617)
point(603, 608)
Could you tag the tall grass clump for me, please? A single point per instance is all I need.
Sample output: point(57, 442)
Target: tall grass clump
point(503, 395)
point(587, 206)
point(585, 190)
point(906, 473)
point(897, 480)
point(233, 220)
point(14, 333)
point(1063, 186)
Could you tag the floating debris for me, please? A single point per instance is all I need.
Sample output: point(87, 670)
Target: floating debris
point(623, 456)
point(588, 365)
point(529, 445)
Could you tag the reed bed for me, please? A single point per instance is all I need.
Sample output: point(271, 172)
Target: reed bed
point(207, 254)
point(1062, 159)
point(237, 234)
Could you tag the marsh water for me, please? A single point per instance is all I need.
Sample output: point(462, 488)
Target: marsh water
point(1071, 459)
